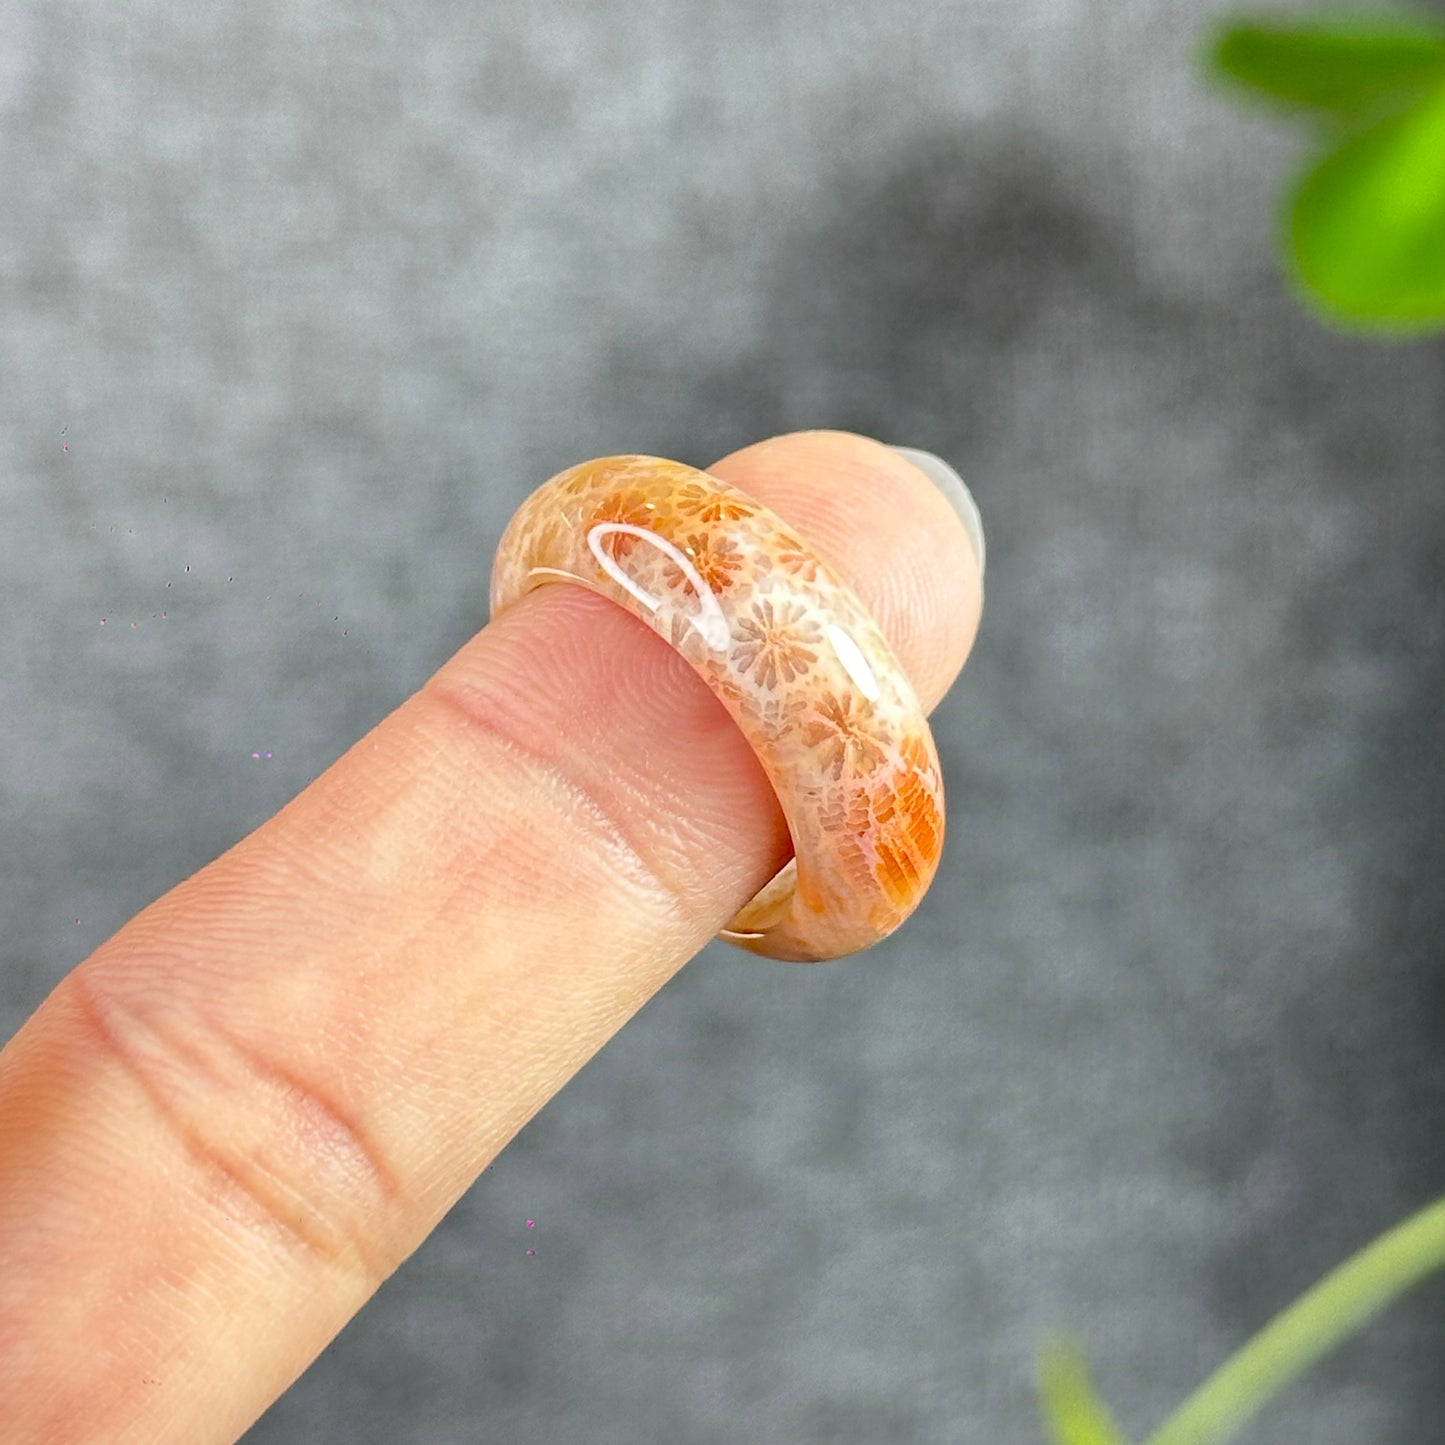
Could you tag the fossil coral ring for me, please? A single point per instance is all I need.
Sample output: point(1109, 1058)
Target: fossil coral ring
point(793, 656)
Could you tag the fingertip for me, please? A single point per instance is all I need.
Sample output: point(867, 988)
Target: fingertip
point(884, 525)
point(957, 493)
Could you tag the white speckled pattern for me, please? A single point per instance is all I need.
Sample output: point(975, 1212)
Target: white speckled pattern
point(794, 657)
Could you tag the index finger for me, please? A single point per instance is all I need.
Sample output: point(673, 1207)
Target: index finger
point(228, 1125)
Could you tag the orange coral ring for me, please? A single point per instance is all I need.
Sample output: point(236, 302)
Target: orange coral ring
point(793, 656)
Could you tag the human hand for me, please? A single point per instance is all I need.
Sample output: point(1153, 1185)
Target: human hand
point(231, 1122)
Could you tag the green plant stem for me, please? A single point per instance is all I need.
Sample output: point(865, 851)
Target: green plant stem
point(1341, 1303)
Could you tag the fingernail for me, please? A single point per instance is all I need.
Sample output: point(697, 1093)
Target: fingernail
point(952, 486)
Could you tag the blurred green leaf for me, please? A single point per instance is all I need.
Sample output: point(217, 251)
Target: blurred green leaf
point(1365, 230)
point(1072, 1410)
point(1335, 63)
point(1340, 1305)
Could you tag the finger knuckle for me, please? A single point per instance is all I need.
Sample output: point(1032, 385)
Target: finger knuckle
point(274, 1150)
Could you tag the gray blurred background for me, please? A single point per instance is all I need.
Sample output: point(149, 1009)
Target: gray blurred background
point(316, 292)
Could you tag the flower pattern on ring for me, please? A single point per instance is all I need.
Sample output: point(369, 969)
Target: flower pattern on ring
point(630, 505)
point(724, 508)
point(793, 557)
point(841, 737)
point(715, 558)
point(777, 642)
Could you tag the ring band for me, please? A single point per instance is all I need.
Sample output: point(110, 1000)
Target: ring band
point(795, 658)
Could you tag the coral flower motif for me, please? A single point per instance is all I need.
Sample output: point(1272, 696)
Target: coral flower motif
point(689, 499)
point(549, 537)
point(603, 473)
point(917, 758)
point(725, 509)
point(777, 643)
point(716, 559)
point(793, 557)
point(911, 838)
point(842, 737)
point(630, 506)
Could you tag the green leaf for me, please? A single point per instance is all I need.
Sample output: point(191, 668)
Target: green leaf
point(1337, 63)
point(1072, 1410)
point(1342, 1303)
point(1365, 228)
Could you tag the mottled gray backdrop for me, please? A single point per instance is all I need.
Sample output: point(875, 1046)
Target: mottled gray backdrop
point(317, 291)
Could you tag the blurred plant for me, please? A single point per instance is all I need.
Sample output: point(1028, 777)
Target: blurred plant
point(1325, 1316)
point(1362, 240)
point(1362, 230)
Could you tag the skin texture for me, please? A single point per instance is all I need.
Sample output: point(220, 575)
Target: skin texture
point(226, 1127)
